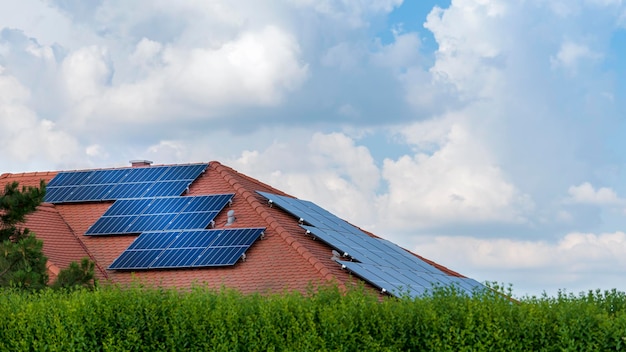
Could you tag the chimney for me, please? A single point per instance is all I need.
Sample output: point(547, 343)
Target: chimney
point(140, 163)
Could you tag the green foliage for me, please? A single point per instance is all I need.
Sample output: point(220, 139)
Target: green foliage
point(22, 263)
point(15, 204)
point(139, 319)
point(76, 276)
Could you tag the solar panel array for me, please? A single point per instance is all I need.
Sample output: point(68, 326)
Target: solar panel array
point(129, 216)
point(186, 249)
point(102, 185)
point(377, 261)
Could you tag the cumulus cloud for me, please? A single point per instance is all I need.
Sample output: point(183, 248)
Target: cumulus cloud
point(585, 193)
point(571, 55)
point(456, 181)
point(25, 139)
point(255, 69)
point(352, 12)
point(571, 262)
point(330, 169)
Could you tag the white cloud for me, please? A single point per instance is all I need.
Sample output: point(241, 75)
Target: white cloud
point(458, 182)
point(86, 72)
point(352, 12)
point(402, 53)
point(572, 262)
point(26, 139)
point(572, 54)
point(470, 38)
point(329, 169)
point(255, 69)
point(585, 193)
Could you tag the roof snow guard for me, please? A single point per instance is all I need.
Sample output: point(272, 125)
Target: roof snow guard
point(379, 262)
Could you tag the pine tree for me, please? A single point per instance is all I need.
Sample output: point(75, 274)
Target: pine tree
point(77, 276)
point(22, 263)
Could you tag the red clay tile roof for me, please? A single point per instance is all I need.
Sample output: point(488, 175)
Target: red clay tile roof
point(282, 260)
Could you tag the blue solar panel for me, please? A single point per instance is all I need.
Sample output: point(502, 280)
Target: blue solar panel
point(183, 172)
point(167, 188)
point(181, 249)
point(144, 174)
point(128, 207)
point(310, 213)
point(152, 223)
point(129, 216)
point(151, 240)
point(194, 239)
point(135, 259)
point(188, 221)
point(57, 194)
point(163, 205)
point(377, 261)
point(105, 177)
point(128, 190)
point(177, 258)
point(101, 185)
point(220, 256)
point(69, 178)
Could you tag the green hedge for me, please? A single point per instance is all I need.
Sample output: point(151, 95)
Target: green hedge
point(140, 319)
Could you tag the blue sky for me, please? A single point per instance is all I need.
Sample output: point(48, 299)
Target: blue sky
point(487, 135)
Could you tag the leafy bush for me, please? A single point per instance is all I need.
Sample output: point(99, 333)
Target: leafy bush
point(110, 318)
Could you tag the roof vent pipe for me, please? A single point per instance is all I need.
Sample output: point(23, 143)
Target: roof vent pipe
point(231, 217)
point(140, 163)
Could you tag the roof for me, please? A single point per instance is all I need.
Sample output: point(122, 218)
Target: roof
point(290, 254)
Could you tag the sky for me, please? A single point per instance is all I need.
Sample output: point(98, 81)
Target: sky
point(487, 135)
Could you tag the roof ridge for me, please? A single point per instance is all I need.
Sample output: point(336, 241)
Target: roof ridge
point(225, 172)
point(26, 173)
point(51, 207)
point(107, 168)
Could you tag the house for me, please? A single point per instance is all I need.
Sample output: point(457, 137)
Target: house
point(205, 223)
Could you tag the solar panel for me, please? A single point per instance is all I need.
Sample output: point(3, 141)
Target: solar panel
point(101, 185)
point(69, 178)
point(167, 188)
point(129, 216)
point(187, 248)
point(377, 261)
point(310, 213)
